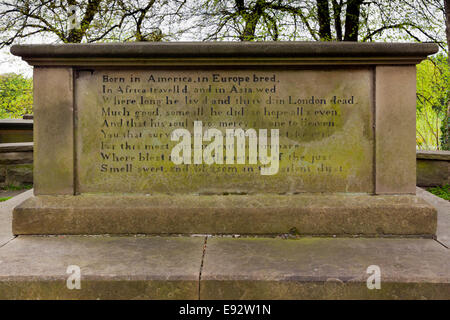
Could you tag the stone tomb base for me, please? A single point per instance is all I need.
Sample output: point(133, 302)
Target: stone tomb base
point(306, 214)
point(343, 115)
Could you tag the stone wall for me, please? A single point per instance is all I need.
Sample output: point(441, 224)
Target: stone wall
point(16, 164)
point(433, 168)
point(16, 130)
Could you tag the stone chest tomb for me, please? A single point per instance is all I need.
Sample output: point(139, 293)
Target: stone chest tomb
point(225, 138)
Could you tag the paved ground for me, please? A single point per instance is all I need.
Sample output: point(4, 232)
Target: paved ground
point(10, 193)
point(141, 267)
point(443, 207)
point(6, 208)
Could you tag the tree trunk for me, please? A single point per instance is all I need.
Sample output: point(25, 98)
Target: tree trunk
point(323, 12)
point(251, 21)
point(352, 20)
point(250, 28)
point(446, 144)
point(337, 9)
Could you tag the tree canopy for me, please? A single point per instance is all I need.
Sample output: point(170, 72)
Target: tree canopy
point(16, 98)
point(245, 20)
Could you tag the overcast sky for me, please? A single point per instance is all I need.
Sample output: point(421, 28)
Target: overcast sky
point(11, 63)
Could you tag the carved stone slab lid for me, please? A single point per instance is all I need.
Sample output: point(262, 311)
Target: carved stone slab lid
point(223, 53)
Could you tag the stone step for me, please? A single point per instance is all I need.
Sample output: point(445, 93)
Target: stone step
point(34, 267)
point(324, 268)
point(256, 214)
point(133, 267)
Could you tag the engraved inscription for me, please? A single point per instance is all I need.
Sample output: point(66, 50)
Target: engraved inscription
point(224, 131)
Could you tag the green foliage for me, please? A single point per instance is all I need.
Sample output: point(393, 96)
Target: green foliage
point(16, 96)
point(5, 199)
point(12, 187)
point(443, 192)
point(445, 132)
point(433, 93)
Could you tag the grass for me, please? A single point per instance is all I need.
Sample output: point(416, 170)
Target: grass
point(443, 192)
point(5, 199)
point(15, 188)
